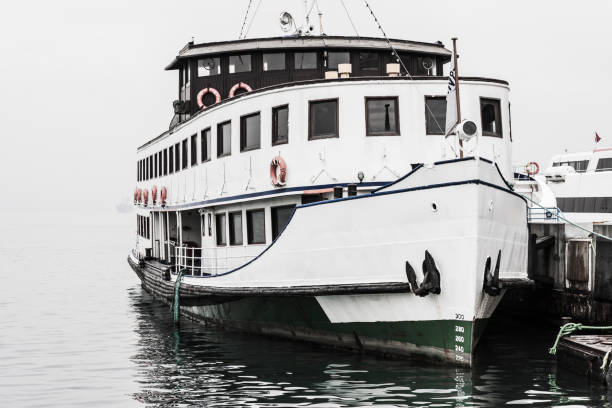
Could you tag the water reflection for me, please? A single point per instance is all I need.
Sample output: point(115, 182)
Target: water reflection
point(204, 366)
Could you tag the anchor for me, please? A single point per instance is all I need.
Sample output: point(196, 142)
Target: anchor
point(431, 277)
point(491, 284)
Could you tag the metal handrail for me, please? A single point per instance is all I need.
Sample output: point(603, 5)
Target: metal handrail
point(543, 214)
point(208, 261)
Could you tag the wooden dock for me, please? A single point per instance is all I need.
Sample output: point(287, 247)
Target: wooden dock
point(588, 355)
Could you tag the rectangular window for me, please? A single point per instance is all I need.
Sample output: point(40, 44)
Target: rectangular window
point(194, 150)
point(209, 66)
point(256, 230)
point(323, 119)
point(171, 159)
point(220, 229)
point(382, 116)
point(146, 168)
point(235, 228)
point(273, 62)
point(224, 139)
point(151, 174)
point(205, 144)
point(160, 169)
point(155, 166)
point(165, 162)
point(368, 61)
point(490, 115)
point(184, 154)
point(280, 218)
point(604, 164)
point(177, 157)
point(239, 63)
point(305, 60)
point(336, 58)
point(280, 125)
point(435, 115)
point(250, 132)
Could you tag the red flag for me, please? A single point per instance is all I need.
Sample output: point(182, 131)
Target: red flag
point(597, 138)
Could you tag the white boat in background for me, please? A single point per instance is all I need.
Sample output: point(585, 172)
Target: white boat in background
point(305, 189)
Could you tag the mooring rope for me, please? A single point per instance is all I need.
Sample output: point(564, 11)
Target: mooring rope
point(176, 302)
point(569, 328)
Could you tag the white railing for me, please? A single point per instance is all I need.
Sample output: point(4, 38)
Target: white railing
point(210, 261)
point(537, 214)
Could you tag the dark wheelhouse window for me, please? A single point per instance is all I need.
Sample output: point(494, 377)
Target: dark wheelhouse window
point(235, 228)
point(305, 60)
point(273, 62)
point(323, 119)
point(280, 125)
point(224, 139)
point(220, 229)
point(382, 117)
point(256, 231)
point(250, 132)
point(580, 165)
point(239, 63)
point(490, 114)
point(177, 157)
point(335, 58)
point(435, 115)
point(280, 218)
point(194, 150)
point(604, 164)
point(368, 61)
point(209, 66)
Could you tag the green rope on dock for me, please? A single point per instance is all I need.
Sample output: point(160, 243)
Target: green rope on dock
point(175, 305)
point(569, 328)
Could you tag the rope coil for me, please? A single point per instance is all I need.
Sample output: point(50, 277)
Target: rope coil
point(569, 328)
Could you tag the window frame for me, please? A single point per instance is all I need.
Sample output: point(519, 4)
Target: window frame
point(205, 145)
point(184, 154)
point(230, 224)
point(367, 118)
point(327, 64)
point(177, 157)
point(500, 121)
point(249, 224)
point(165, 162)
point(193, 153)
point(210, 75)
point(317, 59)
point(263, 54)
point(273, 220)
point(219, 230)
point(438, 97)
point(171, 159)
point(275, 109)
point(229, 57)
point(243, 129)
point(376, 69)
point(314, 102)
point(220, 139)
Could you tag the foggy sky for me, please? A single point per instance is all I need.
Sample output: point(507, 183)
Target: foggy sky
point(82, 82)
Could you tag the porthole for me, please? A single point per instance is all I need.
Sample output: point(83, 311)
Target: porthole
point(434, 207)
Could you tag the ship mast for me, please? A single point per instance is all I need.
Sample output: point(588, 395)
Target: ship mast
point(456, 71)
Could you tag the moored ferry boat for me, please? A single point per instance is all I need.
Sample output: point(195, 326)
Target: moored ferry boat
point(305, 189)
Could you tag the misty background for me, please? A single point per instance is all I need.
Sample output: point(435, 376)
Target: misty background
point(83, 82)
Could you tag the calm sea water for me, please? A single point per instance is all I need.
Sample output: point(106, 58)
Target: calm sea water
point(76, 329)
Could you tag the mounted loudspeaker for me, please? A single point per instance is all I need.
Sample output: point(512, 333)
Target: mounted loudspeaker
point(466, 130)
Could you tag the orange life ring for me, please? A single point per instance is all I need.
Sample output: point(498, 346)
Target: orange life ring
point(162, 196)
point(532, 168)
point(154, 194)
point(278, 163)
point(135, 195)
point(242, 85)
point(139, 195)
point(204, 92)
point(146, 196)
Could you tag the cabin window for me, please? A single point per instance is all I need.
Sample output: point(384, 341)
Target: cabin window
point(368, 61)
point(336, 58)
point(184, 154)
point(151, 174)
point(435, 115)
point(177, 157)
point(209, 67)
point(490, 115)
point(280, 125)
point(171, 158)
point(273, 62)
point(235, 228)
point(154, 165)
point(305, 60)
point(580, 165)
point(220, 229)
point(604, 164)
point(256, 230)
point(205, 144)
point(194, 150)
point(382, 116)
point(239, 63)
point(250, 132)
point(280, 218)
point(426, 66)
point(323, 119)
point(224, 138)
point(165, 162)
point(160, 170)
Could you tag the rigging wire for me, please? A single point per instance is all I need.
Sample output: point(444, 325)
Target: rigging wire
point(252, 19)
point(246, 14)
point(349, 17)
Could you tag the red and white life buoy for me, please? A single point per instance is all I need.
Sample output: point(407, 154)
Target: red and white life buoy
point(278, 163)
point(162, 196)
point(154, 195)
point(146, 196)
point(532, 168)
point(139, 195)
point(135, 195)
point(242, 85)
point(204, 92)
